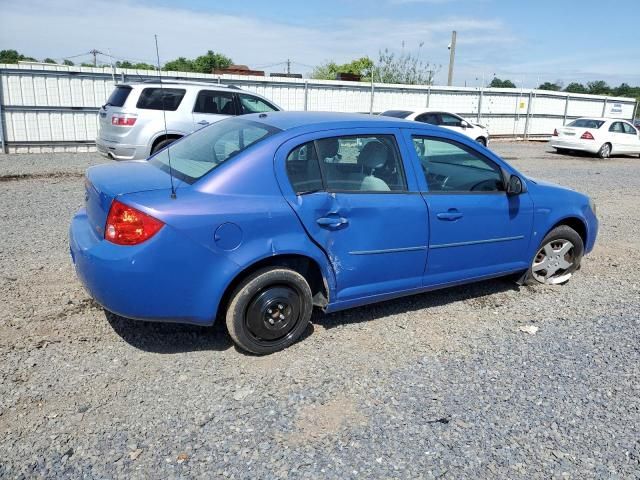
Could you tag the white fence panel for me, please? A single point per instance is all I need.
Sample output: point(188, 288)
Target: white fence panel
point(55, 106)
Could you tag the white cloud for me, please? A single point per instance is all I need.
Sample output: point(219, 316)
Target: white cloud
point(68, 27)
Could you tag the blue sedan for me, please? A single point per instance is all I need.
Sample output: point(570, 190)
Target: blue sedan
point(262, 218)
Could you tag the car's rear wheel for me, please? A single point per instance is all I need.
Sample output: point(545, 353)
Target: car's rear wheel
point(269, 310)
point(561, 150)
point(160, 145)
point(557, 258)
point(605, 151)
point(482, 141)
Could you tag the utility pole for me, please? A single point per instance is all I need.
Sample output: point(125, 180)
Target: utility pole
point(94, 52)
point(288, 66)
point(452, 56)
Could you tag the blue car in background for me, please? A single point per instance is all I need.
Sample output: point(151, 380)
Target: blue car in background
point(262, 218)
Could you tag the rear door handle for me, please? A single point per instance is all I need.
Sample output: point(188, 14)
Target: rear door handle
point(332, 222)
point(203, 122)
point(450, 215)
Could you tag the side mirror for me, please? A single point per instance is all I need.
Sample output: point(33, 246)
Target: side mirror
point(464, 124)
point(514, 185)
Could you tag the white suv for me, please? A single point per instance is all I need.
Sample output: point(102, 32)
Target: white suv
point(131, 123)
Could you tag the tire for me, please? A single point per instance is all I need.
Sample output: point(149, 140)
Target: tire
point(561, 150)
point(160, 145)
point(269, 310)
point(557, 258)
point(482, 141)
point(605, 151)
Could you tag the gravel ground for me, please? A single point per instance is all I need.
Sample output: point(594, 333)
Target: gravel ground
point(440, 385)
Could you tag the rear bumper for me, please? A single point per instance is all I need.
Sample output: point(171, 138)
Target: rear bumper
point(583, 146)
point(168, 278)
point(121, 151)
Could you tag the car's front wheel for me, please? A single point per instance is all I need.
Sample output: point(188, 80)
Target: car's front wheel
point(269, 310)
point(557, 258)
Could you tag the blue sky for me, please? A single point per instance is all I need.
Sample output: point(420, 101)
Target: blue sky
point(565, 40)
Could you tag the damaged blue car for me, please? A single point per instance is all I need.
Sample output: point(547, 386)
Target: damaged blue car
point(258, 220)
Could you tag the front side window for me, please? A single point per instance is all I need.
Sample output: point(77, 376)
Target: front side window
point(202, 151)
point(212, 102)
point(359, 163)
point(430, 118)
point(251, 104)
point(157, 98)
point(450, 167)
point(450, 120)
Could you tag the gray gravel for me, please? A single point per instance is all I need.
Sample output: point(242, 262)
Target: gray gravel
point(440, 385)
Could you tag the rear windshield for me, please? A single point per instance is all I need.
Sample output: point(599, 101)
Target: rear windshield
point(396, 113)
point(118, 96)
point(161, 98)
point(586, 123)
point(197, 154)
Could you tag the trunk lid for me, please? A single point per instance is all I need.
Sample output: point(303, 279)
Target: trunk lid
point(105, 182)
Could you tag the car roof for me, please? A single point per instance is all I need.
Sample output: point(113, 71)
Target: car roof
point(173, 83)
point(320, 120)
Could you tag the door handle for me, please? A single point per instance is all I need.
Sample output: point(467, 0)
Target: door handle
point(332, 222)
point(203, 122)
point(450, 215)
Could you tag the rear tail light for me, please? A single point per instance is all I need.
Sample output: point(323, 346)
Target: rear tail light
point(587, 136)
point(128, 226)
point(122, 120)
point(555, 132)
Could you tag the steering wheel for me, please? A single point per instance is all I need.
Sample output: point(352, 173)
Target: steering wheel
point(491, 183)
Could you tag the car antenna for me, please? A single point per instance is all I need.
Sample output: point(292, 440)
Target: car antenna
point(164, 117)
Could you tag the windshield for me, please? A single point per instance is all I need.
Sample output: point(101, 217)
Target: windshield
point(586, 123)
point(202, 151)
point(396, 113)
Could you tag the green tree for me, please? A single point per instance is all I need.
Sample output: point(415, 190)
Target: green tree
point(69, 63)
point(12, 56)
point(328, 71)
point(137, 66)
point(49, 60)
point(180, 64)
point(575, 87)
point(555, 87)
point(404, 68)
point(624, 90)
point(211, 61)
point(598, 87)
point(499, 83)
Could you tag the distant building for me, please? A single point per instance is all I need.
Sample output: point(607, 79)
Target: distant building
point(238, 70)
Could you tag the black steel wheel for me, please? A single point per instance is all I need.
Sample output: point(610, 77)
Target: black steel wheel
point(269, 310)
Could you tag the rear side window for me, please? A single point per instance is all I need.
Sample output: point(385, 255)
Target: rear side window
point(586, 123)
point(210, 101)
point(118, 96)
point(303, 169)
point(363, 164)
point(251, 104)
point(616, 127)
point(160, 98)
point(629, 129)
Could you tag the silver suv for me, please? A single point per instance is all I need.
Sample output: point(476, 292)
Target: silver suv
point(131, 124)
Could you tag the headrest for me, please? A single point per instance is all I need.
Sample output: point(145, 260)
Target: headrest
point(374, 155)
